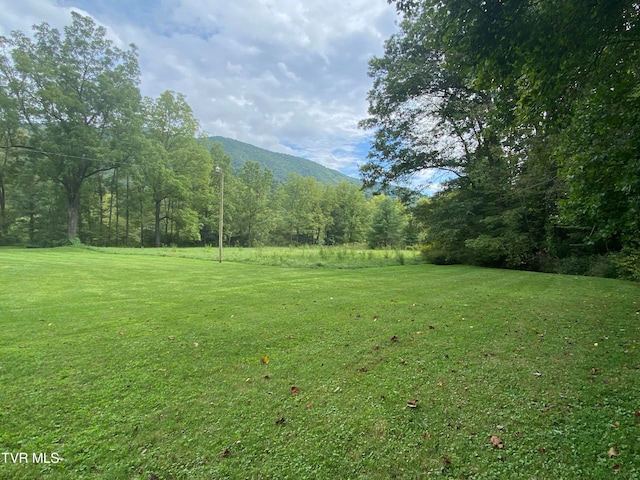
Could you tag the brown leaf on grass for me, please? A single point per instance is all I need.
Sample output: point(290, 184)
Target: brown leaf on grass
point(446, 460)
point(224, 453)
point(264, 359)
point(295, 390)
point(394, 338)
point(412, 403)
point(496, 441)
point(308, 406)
point(431, 327)
point(376, 346)
point(612, 452)
point(363, 369)
point(426, 435)
point(440, 384)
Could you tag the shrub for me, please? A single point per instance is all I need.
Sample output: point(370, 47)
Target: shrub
point(627, 262)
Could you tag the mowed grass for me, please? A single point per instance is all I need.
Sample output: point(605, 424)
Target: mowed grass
point(152, 367)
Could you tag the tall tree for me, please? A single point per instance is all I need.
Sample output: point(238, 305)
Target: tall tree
point(302, 215)
point(350, 214)
point(532, 105)
point(78, 95)
point(252, 199)
point(176, 168)
point(387, 223)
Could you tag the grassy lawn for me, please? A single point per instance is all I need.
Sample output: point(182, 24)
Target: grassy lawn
point(154, 366)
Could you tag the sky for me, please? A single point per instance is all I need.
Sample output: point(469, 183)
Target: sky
point(286, 75)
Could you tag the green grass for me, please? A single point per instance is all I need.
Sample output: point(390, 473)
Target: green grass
point(143, 366)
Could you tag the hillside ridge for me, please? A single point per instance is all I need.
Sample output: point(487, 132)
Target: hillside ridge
point(280, 164)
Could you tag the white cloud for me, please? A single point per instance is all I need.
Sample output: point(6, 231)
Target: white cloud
point(287, 75)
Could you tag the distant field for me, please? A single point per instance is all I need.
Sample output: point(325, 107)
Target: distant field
point(126, 364)
point(307, 257)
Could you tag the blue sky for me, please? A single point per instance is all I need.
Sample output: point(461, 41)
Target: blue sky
point(286, 75)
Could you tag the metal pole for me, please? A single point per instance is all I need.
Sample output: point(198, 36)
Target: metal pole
point(220, 220)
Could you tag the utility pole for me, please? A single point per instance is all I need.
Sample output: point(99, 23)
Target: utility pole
point(221, 213)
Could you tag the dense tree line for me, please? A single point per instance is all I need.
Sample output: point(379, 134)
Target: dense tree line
point(533, 109)
point(85, 158)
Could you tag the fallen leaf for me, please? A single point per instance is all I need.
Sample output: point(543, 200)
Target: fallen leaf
point(394, 338)
point(412, 403)
point(541, 450)
point(499, 427)
point(295, 390)
point(280, 421)
point(612, 452)
point(431, 327)
point(363, 369)
point(264, 359)
point(376, 346)
point(426, 435)
point(224, 453)
point(616, 466)
point(496, 441)
point(446, 460)
point(440, 384)
point(308, 406)
point(403, 362)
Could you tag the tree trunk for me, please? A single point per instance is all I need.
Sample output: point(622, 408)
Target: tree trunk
point(126, 213)
point(4, 228)
point(157, 223)
point(73, 214)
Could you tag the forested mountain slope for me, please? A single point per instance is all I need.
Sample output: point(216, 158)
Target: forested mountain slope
point(280, 164)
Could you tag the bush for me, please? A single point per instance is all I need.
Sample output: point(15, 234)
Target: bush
point(627, 263)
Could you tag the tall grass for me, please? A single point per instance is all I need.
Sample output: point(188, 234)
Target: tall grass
point(301, 257)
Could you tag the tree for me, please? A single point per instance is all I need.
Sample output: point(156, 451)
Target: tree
point(302, 216)
point(533, 108)
point(350, 213)
point(387, 223)
point(252, 202)
point(78, 97)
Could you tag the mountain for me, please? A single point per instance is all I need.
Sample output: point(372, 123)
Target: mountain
point(279, 163)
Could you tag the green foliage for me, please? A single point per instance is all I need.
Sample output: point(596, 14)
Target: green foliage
point(627, 262)
point(533, 106)
point(387, 223)
point(77, 96)
point(130, 364)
